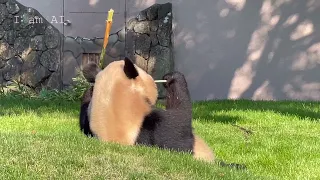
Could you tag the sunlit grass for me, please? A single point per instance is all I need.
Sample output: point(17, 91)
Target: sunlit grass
point(41, 140)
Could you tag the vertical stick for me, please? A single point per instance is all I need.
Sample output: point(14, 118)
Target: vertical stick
point(106, 36)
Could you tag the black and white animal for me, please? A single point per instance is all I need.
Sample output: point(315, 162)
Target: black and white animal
point(90, 72)
point(122, 95)
point(171, 128)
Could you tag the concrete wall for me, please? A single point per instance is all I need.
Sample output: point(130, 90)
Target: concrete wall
point(87, 17)
point(253, 49)
point(49, 9)
point(249, 49)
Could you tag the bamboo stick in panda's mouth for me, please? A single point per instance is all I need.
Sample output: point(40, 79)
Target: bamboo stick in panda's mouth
point(160, 81)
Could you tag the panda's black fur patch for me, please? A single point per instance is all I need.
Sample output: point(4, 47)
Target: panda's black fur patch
point(89, 72)
point(84, 119)
point(170, 128)
point(129, 69)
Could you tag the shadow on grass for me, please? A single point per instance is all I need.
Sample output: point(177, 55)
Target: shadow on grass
point(17, 106)
point(302, 109)
point(226, 119)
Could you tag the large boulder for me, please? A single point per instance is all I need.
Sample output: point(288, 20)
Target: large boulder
point(30, 52)
point(149, 41)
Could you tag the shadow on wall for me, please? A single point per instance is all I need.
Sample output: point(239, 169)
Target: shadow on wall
point(247, 48)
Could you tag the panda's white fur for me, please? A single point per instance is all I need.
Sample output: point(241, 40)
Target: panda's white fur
point(123, 95)
point(158, 125)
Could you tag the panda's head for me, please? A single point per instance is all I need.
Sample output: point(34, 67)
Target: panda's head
point(141, 81)
point(177, 92)
point(124, 82)
point(175, 79)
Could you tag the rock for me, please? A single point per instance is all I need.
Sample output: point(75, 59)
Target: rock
point(2, 32)
point(36, 29)
point(70, 67)
point(7, 51)
point(34, 76)
point(164, 32)
point(99, 41)
point(52, 37)
point(37, 43)
point(121, 35)
point(152, 12)
point(71, 45)
point(2, 63)
point(54, 81)
point(141, 62)
point(154, 25)
point(3, 12)
point(130, 44)
point(31, 60)
point(131, 23)
point(26, 17)
point(22, 33)
point(164, 9)
point(32, 71)
point(12, 68)
point(90, 47)
point(10, 16)
point(113, 38)
point(7, 24)
point(142, 15)
point(13, 7)
point(116, 50)
point(49, 59)
point(142, 27)
point(160, 61)
point(9, 37)
point(21, 44)
point(154, 39)
point(143, 43)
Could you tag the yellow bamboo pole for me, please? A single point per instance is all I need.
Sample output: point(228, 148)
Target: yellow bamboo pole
point(106, 36)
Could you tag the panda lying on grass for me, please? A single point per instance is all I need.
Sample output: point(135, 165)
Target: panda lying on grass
point(119, 108)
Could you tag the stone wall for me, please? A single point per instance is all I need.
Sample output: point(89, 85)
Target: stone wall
point(38, 55)
point(29, 50)
point(149, 40)
point(146, 39)
point(76, 49)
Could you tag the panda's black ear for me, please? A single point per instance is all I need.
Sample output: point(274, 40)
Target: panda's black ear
point(129, 69)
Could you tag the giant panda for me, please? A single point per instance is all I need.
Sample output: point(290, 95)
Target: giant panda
point(89, 72)
point(172, 128)
point(123, 95)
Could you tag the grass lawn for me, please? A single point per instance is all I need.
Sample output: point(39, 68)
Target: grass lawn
point(276, 140)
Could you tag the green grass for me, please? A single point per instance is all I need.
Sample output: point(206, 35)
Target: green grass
point(41, 140)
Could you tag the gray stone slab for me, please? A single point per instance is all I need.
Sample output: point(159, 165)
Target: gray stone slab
point(71, 66)
point(71, 45)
